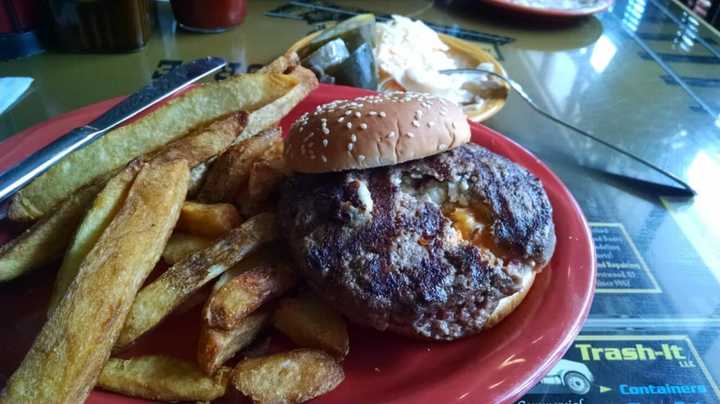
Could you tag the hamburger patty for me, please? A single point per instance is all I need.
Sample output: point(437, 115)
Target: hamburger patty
point(425, 248)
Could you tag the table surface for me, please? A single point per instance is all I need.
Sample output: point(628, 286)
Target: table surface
point(644, 76)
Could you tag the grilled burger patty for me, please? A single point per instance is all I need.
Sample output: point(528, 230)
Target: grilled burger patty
point(425, 248)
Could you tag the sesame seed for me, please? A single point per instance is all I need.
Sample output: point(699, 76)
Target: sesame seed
point(361, 157)
point(363, 126)
point(353, 138)
point(430, 124)
point(325, 142)
point(358, 114)
point(372, 113)
point(341, 119)
point(382, 114)
point(418, 113)
point(323, 158)
point(348, 113)
point(410, 134)
point(391, 134)
point(415, 123)
point(348, 125)
point(326, 131)
point(442, 146)
point(350, 146)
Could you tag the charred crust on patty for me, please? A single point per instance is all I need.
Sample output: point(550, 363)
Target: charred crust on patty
point(403, 265)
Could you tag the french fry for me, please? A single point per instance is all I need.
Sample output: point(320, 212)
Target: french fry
point(275, 152)
point(208, 220)
point(216, 346)
point(271, 113)
point(289, 377)
point(263, 256)
point(203, 142)
point(162, 378)
point(231, 170)
point(244, 293)
point(194, 148)
point(284, 64)
point(45, 240)
point(310, 323)
point(202, 145)
point(158, 299)
point(48, 238)
point(246, 92)
point(66, 358)
point(103, 210)
point(264, 179)
point(181, 245)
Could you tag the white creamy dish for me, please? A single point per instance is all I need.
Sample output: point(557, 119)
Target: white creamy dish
point(412, 54)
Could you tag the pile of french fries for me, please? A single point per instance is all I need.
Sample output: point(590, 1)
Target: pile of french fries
point(191, 184)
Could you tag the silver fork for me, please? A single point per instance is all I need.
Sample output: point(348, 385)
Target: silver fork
point(686, 189)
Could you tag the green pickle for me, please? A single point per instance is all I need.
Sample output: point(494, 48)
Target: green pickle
point(354, 31)
point(363, 34)
point(331, 54)
point(358, 70)
point(343, 54)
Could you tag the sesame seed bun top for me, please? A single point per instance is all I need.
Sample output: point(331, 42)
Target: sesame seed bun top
point(373, 131)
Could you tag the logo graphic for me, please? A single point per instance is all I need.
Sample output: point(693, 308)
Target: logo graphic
point(627, 369)
point(573, 375)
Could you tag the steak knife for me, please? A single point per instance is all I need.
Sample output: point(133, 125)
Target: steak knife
point(156, 91)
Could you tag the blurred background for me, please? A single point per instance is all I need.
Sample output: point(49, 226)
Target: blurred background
point(29, 26)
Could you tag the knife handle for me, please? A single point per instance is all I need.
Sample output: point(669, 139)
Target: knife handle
point(13, 179)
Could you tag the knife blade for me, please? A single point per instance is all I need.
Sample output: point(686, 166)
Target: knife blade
point(154, 92)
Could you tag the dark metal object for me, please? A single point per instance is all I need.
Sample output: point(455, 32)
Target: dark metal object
point(685, 189)
point(156, 91)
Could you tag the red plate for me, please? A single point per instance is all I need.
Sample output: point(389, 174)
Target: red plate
point(556, 12)
point(498, 365)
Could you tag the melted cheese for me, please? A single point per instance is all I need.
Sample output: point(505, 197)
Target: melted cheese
point(466, 223)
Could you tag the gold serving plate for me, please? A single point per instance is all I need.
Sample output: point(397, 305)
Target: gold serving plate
point(471, 55)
